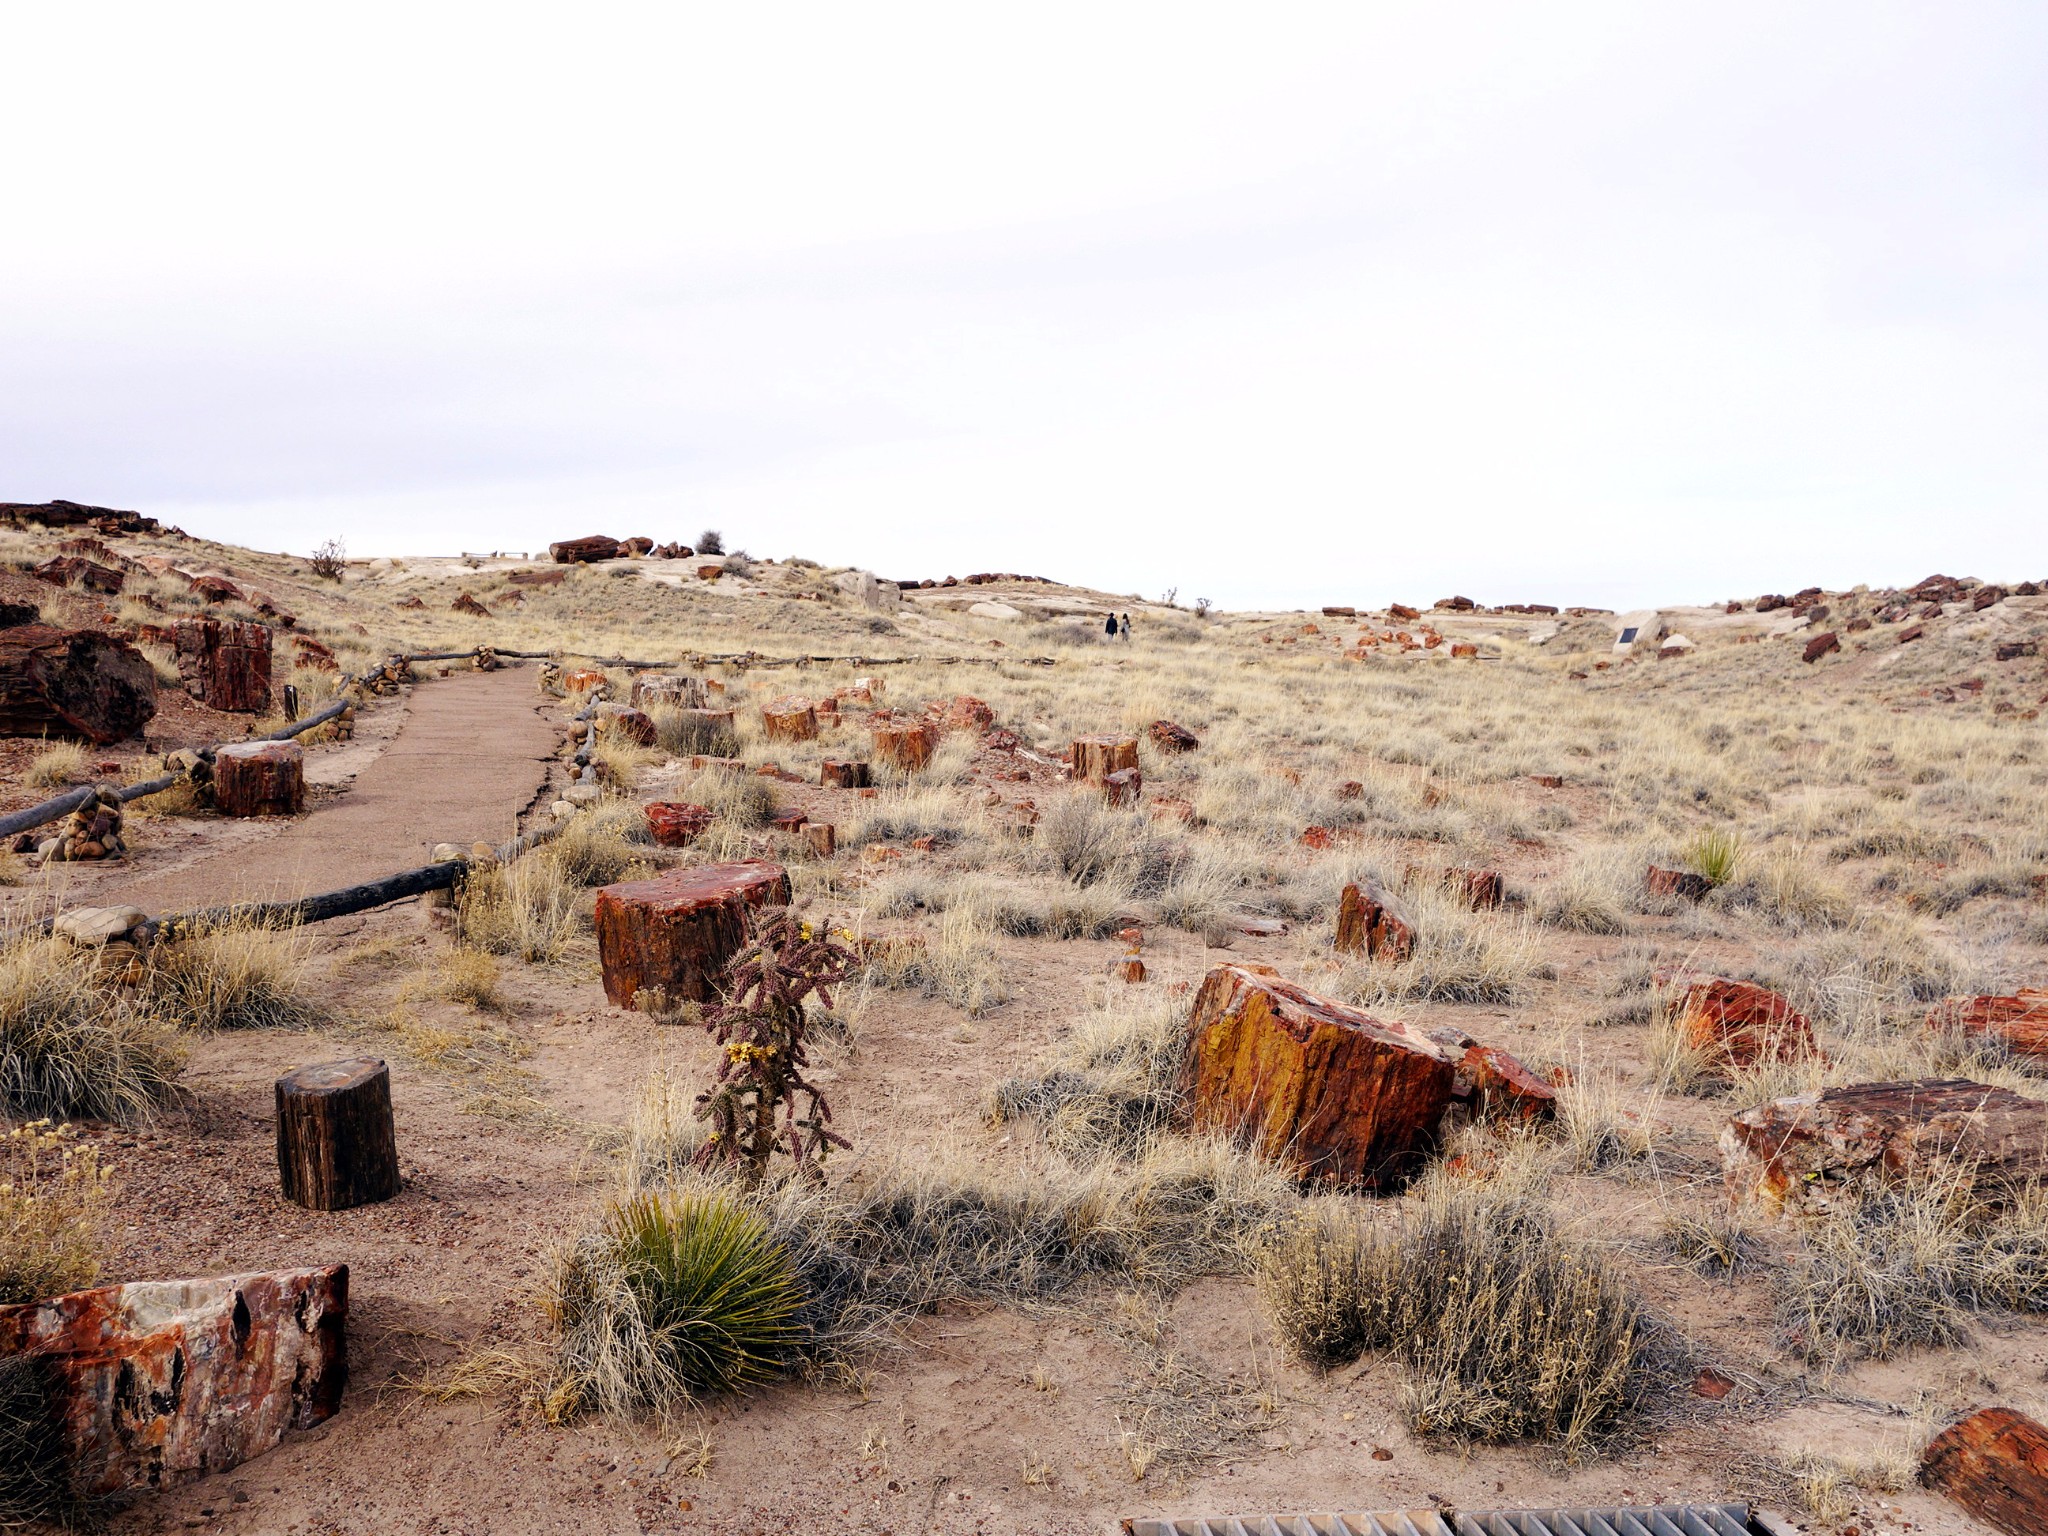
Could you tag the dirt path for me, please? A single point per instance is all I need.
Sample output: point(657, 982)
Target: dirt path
point(469, 756)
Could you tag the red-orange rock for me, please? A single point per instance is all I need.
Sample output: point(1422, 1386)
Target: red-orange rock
point(1318, 837)
point(1351, 789)
point(835, 774)
point(677, 932)
point(1804, 1150)
point(1682, 883)
point(1168, 737)
point(1464, 650)
point(1995, 1465)
point(630, 724)
point(1328, 1091)
point(823, 838)
point(76, 571)
point(789, 719)
point(466, 602)
point(1503, 1087)
point(1821, 645)
point(160, 1381)
point(967, 713)
point(1124, 787)
point(1737, 1023)
point(677, 823)
point(225, 664)
point(788, 820)
point(586, 680)
point(1130, 969)
point(905, 746)
point(260, 778)
point(1095, 758)
point(591, 547)
point(1372, 923)
point(2019, 1022)
point(1478, 889)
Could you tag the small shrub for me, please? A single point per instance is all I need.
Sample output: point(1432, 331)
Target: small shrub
point(960, 965)
point(1720, 1242)
point(329, 560)
point(600, 845)
point(72, 1049)
point(710, 542)
point(682, 734)
point(1111, 1086)
point(58, 764)
point(673, 1297)
point(528, 908)
point(232, 976)
point(54, 1196)
point(1713, 852)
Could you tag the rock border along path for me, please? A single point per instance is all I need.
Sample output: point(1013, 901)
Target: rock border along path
point(470, 754)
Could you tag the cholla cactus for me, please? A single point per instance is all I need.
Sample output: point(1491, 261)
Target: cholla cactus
point(762, 1026)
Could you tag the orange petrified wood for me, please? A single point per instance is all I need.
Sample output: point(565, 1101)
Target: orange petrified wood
point(789, 719)
point(1097, 757)
point(1995, 1464)
point(1372, 923)
point(677, 931)
point(2019, 1021)
point(1326, 1090)
point(1737, 1023)
point(260, 778)
point(905, 745)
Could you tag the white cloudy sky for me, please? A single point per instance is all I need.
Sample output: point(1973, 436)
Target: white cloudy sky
point(1275, 304)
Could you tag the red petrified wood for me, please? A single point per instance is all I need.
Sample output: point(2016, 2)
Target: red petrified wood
point(1097, 757)
point(73, 683)
point(1503, 1086)
point(1330, 1092)
point(159, 1381)
point(626, 723)
point(1682, 883)
point(1169, 737)
point(1802, 1150)
point(1994, 1464)
point(2019, 1022)
point(789, 719)
point(904, 745)
point(225, 664)
point(676, 823)
point(835, 774)
point(1477, 888)
point(1372, 923)
point(676, 932)
point(260, 778)
point(1124, 787)
point(1737, 1023)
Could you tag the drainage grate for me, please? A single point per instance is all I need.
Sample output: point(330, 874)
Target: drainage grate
point(1636, 1520)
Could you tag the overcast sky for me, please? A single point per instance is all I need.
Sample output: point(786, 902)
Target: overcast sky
point(1275, 304)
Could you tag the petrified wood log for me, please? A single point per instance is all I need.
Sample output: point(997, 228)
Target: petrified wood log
point(627, 723)
point(14, 615)
point(587, 680)
point(1168, 737)
point(1328, 1091)
point(903, 745)
point(835, 774)
point(593, 546)
point(157, 1382)
point(967, 713)
point(1682, 883)
point(789, 719)
point(1124, 787)
point(77, 571)
point(466, 602)
point(260, 778)
point(1995, 1465)
point(676, 823)
point(225, 664)
point(1735, 1024)
point(823, 838)
point(1479, 889)
point(335, 1145)
point(75, 683)
point(669, 688)
point(2019, 1022)
point(1374, 924)
point(676, 932)
point(1097, 757)
point(1504, 1087)
point(1800, 1152)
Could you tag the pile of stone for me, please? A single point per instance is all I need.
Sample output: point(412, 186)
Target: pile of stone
point(91, 831)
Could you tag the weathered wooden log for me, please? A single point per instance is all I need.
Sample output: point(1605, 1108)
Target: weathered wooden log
point(225, 664)
point(1805, 1151)
point(157, 1382)
point(1995, 1465)
point(260, 778)
point(73, 683)
point(1373, 924)
point(789, 719)
point(905, 745)
point(1325, 1090)
point(336, 1147)
point(674, 934)
point(1097, 757)
point(837, 774)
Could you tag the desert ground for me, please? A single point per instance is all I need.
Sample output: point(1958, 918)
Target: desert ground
point(1036, 1297)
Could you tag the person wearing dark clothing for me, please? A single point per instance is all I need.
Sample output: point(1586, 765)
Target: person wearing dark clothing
point(1109, 626)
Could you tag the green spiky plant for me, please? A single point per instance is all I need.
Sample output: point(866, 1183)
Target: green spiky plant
point(1714, 852)
point(762, 1027)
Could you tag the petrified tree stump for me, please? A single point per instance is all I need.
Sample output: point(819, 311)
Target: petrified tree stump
point(74, 683)
point(676, 932)
point(1124, 787)
point(835, 774)
point(587, 680)
point(905, 745)
point(669, 688)
point(626, 723)
point(823, 838)
point(160, 1381)
point(1803, 1151)
point(1373, 924)
point(1737, 1023)
point(676, 823)
point(789, 719)
point(335, 1145)
point(2019, 1021)
point(260, 778)
point(1326, 1090)
point(1995, 1465)
point(225, 664)
point(1097, 757)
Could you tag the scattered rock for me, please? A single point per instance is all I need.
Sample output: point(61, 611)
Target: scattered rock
point(92, 927)
point(1171, 738)
point(1819, 646)
point(1737, 1023)
point(1374, 924)
point(466, 603)
point(1503, 1087)
point(1124, 787)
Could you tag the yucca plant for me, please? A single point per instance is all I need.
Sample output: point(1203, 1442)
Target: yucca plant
point(1713, 852)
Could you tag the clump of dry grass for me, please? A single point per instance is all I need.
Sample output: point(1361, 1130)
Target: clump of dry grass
point(1507, 1329)
point(1595, 894)
point(959, 964)
point(1110, 1087)
point(1716, 1241)
point(1786, 891)
point(1460, 956)
point(54, 1197)
point(71, 1046)
point(468, 976)
point(600, 845)
point(682, 734)
point(529, 908)
point(58, 764)
point(233, 975)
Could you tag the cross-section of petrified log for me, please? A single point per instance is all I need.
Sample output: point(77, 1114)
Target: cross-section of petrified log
point(677, 932)
point(905, 745)
point(260, 778)
point(1097, 757)
point(336, 1147)
point(156, 1382)
point(1330, 1092)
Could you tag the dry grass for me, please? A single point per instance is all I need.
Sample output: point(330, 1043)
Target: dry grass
point(1111, 1086)
point(54, 1198)
point(72, 1046)
point(58, 764)
point(233, 976)
point(1460, 956)
point(959, 965)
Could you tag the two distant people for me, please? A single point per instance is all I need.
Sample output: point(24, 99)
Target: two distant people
point(1112, 627)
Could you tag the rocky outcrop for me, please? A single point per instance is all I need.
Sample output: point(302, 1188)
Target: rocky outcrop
point(1325, 1090)
point(676, 933)
point(1804, 1151)
point(160, 1381)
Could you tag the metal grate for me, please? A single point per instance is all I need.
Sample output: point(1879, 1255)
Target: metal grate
point(1634, 1520)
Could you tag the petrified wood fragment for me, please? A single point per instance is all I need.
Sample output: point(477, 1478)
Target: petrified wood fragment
point(1735, 1024)
point(676, 932)
point(336, 1147)
point(835, 774)
point(905, 745)
point(2019, 1021)
point(1374, 924)
point(74, 683)
point(676, 823)
point(225, 664)
point(1097, 757)
point(260, 778)
point(789, 719)
point(1995, 1465)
